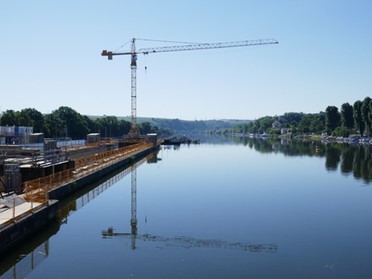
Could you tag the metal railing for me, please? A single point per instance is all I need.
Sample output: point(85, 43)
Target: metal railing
point(18, 208)
point(37, 190)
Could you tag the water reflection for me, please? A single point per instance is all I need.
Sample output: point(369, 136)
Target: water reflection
point(353, 159)
point(24, 259)
point(190, 242)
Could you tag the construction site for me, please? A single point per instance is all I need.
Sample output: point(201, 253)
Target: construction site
point(34, 178)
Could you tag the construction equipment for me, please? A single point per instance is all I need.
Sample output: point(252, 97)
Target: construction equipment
point(193, 46)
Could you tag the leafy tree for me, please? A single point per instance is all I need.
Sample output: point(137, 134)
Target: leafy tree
point(293, 117)
point(10, 118)
point(74, 125)
point(319, 122)
point(312, 123)
point(123, 127)
point(107, 126)
point(333, 118)
point(358, 120)
point(304, 124)
point(347, 118)
point(341, 132)
point(365, 114)
point(53, 126)
point(370, 111)
point(91, 124)
point(32, 118)
point(264, 123)
point(145, 128)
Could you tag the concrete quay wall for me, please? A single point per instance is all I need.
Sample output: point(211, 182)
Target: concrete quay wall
point(19, 230)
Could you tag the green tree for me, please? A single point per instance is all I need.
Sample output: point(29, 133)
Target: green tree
point(341, 132)
point(32, 118)
point(123, 127)
point(347, 118)
point(9, 117)
point(293, 117)
point(107, 126)
point(319, 122)
point(265, 123)
point(370, 111)
point(333, 118)
point(145, 128)
point(358, 120)
point(305, 124)
point(53, 126)
point(91, 124)
point(74, 125)
point(365, 114)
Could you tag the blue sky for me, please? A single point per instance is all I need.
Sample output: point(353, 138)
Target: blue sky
point(50, 56)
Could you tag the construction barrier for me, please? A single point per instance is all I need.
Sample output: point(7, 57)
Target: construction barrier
point(37, 190)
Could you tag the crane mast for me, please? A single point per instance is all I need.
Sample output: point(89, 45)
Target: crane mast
point(133, 81)
point(133, 53)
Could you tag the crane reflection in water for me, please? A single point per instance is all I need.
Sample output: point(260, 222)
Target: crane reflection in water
point(177, 241)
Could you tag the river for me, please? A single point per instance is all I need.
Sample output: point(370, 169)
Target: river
point(227, 208)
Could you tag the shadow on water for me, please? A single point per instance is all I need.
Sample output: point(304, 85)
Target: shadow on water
point(28, 255)
point(355, 159)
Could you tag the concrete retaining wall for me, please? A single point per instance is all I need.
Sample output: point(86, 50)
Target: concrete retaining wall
point(21, 229)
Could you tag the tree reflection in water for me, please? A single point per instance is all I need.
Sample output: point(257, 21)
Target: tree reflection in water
point(349, 158)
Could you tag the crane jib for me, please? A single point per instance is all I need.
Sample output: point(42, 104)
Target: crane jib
point(207, 46)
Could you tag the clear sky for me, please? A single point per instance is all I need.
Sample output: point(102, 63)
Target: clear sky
point(50, 56)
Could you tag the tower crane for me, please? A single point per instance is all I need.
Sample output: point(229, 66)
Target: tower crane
point(193, 46)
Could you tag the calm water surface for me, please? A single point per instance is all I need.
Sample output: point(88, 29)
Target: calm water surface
point(222, 210)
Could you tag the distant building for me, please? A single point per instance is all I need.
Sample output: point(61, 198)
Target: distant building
point(15, 134)
point(285, 131)
point(93, 138)
point(276, 124)
point(36, 138)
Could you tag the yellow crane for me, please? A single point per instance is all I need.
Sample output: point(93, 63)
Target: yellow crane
point(188, 46)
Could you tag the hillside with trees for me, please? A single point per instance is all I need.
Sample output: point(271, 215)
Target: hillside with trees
point(65, 122)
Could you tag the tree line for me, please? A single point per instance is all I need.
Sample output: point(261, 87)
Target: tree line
point(65, 122)
point(350, 119)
